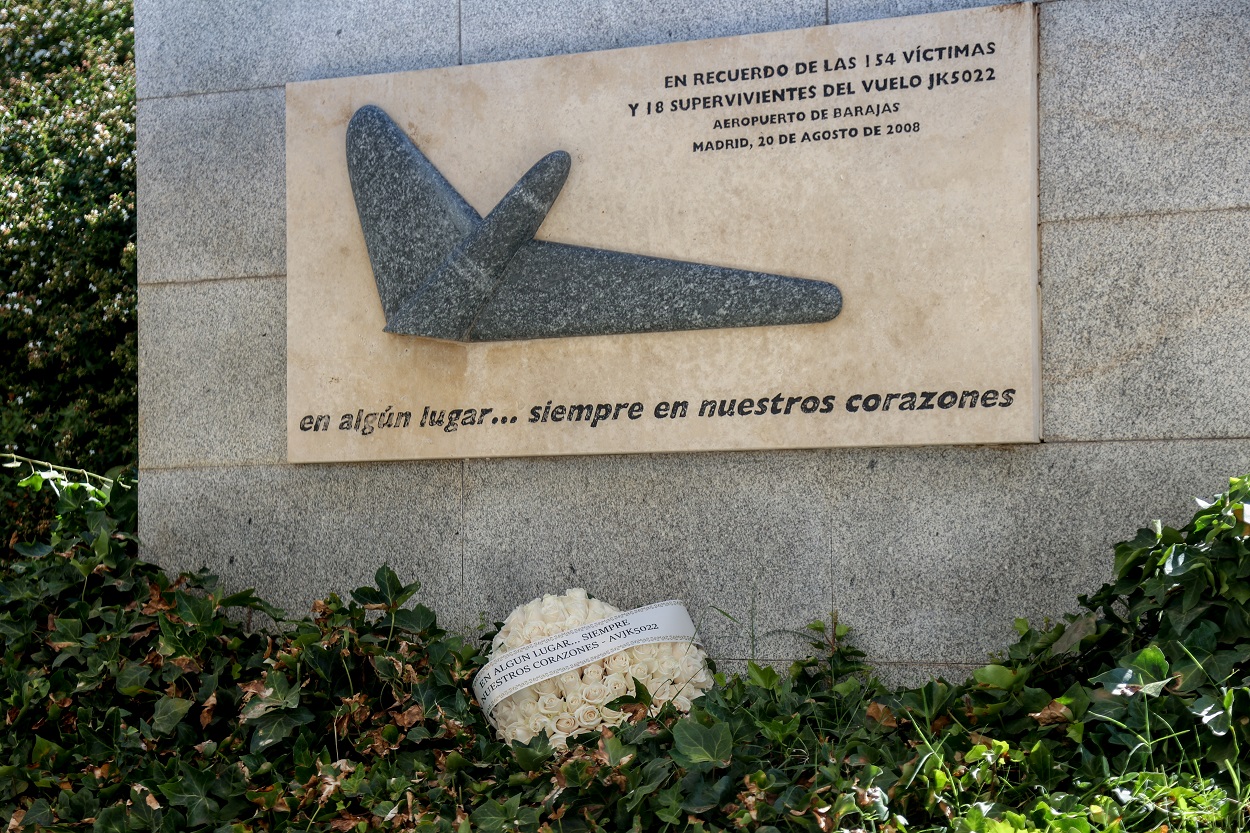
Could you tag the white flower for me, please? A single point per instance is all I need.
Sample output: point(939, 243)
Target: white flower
point(617, 685)
point(639, 671)
point(592, 673)
point(538, 723)
point(552, 611)
point(565, 723)
point(570, 681)
point(596, 694)
point(690, 666)
point(682, 702)
point(550, 704)
point(617, 663)
point(668, 669)
point(545, 687)
point(588, 716)
point(647, 651)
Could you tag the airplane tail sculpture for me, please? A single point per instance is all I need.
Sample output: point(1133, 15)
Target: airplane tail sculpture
point(442, 271)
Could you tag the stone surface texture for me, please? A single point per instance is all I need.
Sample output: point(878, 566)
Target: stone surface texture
point(212, 373)
point(498, 30)
point(220, 45)
point(211, 186)
point(1144, 107)
point(1145, 318)
point(929, 553)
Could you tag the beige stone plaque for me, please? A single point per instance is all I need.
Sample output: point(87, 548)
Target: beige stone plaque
point(896, 159)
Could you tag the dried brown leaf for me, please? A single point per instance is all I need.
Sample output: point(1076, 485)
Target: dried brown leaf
point(882, 715)
point(156, 601)
point(251, 689)
point(1055, 712)
point(206, 715)
point(410, 717)
point(187, 664)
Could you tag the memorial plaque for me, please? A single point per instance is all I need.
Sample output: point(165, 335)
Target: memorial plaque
point(815, 238)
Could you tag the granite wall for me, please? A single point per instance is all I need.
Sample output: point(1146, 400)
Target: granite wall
point(929, 552)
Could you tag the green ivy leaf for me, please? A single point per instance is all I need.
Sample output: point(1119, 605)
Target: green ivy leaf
point(132, 678)
point(999, 676)
point(192, 792)
point(416, 620)
point(1213, 714)
point(111, 820)
point(697, 743)
point(276, 726)
point(169, 713)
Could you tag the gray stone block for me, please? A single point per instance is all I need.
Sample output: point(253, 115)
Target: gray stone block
point(1145, 327)
point(217, 45)
point(212, 186)
point(937, 551)
point(212, 364)
point(298, 533)
point(1143, 106)
point(496, 30)
point(746, 533)
point(851, 11)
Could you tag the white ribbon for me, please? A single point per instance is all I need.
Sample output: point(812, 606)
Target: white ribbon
point(531, 664)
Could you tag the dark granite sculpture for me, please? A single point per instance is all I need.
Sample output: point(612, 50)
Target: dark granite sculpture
point(444, 272)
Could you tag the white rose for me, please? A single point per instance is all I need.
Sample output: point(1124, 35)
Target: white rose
point(538, 723)
point(570, 681)
point(575, 593)
point(550, 704)
point(560, 740)
point(576, 610)
point(640, 671)
point(598, 610)
point(702, 679)
point(596, 694)
point(617, 685)
point(554, 628)
point(565, 723)
point(617, 663)
point(553, 611)
point(612, 717)
point(682, 702)
point(574, 700)
point(528, 709)
point(690, 665)
point(545, 687)
point(663, 691)
point(589, 716)
point(533, 631)
point(668, 669)
point(592, 673)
